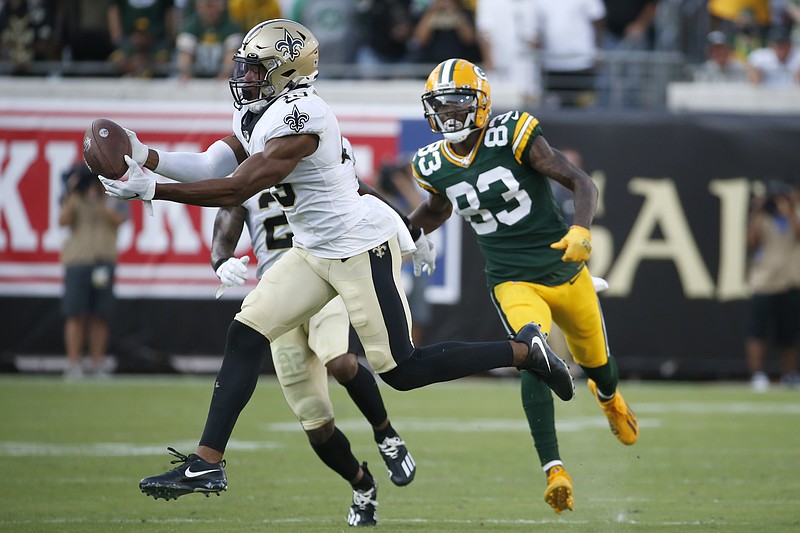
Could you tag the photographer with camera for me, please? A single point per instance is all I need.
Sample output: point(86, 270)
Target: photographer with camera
point(773, 235)
point(89, 257)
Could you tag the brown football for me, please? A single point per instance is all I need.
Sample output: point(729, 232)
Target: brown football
point(105, 144)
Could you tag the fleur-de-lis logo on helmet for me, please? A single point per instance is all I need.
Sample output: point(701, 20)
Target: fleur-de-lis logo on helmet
point(289, 46)
point(296, 119)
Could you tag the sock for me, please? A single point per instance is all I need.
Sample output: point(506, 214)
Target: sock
point(537, 401)
point(336, 454)
point(245, 352)
point(365, 483)
point(365, 394)
point(606, 377)
point(447, 361)
point(552, 464)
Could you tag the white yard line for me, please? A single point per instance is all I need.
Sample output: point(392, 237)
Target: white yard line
point(452, 425)
point(113, 449)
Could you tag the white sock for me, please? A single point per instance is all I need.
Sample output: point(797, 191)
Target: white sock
point(603, 397)
point(551, 464)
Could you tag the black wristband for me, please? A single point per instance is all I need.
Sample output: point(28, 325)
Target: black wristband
point(415, 232)
point(219, 263)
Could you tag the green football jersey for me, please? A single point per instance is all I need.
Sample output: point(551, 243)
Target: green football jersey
point(509, 205)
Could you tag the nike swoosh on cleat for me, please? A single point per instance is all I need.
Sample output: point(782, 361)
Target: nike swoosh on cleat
point(538, 342)
point(189, 473)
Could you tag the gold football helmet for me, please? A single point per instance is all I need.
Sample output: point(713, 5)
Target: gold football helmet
point(275, 57)
point(457, 99)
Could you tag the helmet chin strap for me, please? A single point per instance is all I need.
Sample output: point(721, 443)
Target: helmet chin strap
point(257, 107)
point(457, 136)
point(260, 105)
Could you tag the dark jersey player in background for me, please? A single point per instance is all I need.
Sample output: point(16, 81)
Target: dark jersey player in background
point(494, 173)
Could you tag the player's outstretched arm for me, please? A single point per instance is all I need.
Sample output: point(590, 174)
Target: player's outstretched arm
point(258, 172)
point(219, 160)
point(552, 163)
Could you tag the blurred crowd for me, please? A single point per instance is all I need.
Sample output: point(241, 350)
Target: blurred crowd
point(195, 38)
point(756, 42)
point(569, 53)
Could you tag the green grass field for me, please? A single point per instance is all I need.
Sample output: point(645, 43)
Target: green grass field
point(711, 457)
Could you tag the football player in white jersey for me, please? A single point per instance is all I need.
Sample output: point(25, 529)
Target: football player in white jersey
point(287, 140)
point(303, 357)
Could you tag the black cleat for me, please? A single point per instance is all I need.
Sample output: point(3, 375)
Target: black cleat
point(399, 463)
point(193, 475)
point(543, 363)
point(364, 509)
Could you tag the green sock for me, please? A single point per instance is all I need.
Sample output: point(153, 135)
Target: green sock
point(605, 377)
point(537, 400)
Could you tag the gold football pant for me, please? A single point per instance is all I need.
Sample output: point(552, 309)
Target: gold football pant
point(300, 357)
point(573, 305)
point(299, 284)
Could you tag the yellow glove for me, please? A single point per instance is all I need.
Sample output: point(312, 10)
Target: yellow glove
point(577, 243)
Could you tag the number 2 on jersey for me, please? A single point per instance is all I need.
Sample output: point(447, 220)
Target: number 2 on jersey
point(273, 224)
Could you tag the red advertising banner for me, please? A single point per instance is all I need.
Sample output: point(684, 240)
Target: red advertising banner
point(163, 256)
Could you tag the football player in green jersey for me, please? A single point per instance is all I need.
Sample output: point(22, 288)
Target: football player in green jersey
point(494, 173)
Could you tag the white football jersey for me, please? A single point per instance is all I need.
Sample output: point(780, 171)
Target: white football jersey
point(320, 196)
point(271, 236)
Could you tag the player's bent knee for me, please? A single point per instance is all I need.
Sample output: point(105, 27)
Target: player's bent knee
point(344, 367)
point(321, 434)
point(244, 339)
point(313, 410)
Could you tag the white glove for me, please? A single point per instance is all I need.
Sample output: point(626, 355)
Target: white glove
point(424, 257)
point(599, 284)
point(138, 186)
point(233, 272)
point(139, 151)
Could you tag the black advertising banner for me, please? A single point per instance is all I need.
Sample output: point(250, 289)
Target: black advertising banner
point(669, 235)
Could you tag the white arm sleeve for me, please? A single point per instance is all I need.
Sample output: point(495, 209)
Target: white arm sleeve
point(187, 167)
